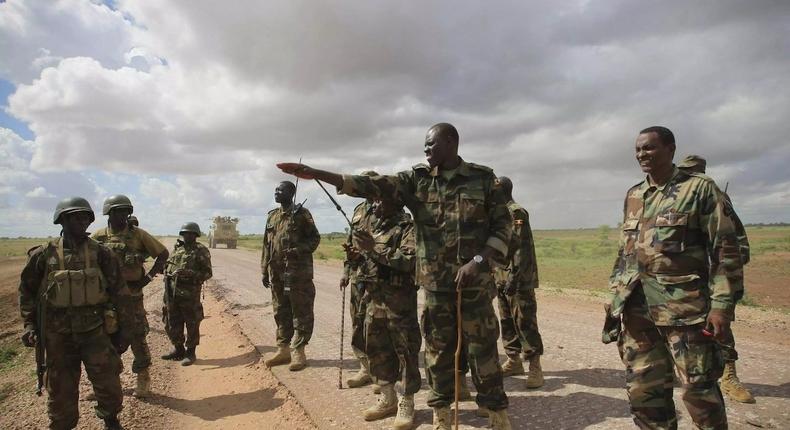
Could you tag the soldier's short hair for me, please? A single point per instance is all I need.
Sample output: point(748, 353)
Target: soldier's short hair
point(664, 134)
point(291, 186)
point(448, 130)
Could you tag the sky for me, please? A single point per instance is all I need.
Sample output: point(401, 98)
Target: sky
point(186, 106)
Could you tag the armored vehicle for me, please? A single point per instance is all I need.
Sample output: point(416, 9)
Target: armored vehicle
point(224, 231)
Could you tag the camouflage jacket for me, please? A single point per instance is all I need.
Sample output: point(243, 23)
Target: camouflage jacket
point(521, 266)
point(287, 231)
point(391, 262)
point(132, 246)
point(35, 284)
point(456, 214)
point(362, 219)
point(190, 265)
point(679, 242)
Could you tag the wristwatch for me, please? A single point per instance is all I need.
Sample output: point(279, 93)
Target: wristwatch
point(478, 259)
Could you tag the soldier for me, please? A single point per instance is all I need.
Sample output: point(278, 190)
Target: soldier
point(188, 267)
point(355, 275)
point(677, 278)
point(516, 283)
point(72, 298)
point(132, 245)
point(392, 333)
point(287, 268)
point(729, 383)
point(461, 221)
point(133, 221)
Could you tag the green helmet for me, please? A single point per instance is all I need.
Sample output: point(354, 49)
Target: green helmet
point(70, 205)
point(116, 202)
point(190, 226)
point(693, 163)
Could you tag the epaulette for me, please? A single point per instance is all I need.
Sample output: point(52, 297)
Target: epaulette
point(421, 166)
point(480, 167)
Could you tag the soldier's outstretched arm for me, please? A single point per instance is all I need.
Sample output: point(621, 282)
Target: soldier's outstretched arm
point(384, 186)
point(306, 172)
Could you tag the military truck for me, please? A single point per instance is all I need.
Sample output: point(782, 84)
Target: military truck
point(223, 231)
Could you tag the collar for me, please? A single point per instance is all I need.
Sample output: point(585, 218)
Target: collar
point(646, 185)
point(463, 169)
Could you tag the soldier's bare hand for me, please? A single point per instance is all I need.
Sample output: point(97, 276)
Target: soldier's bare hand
point(265, 281)
point(343, 282)
point(363, 240)
point(719, 321)
point(29, 338)
point(297, 169)
point(466, 274)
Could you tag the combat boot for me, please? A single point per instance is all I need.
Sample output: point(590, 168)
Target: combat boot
point(189, 357)
point(376, 389)
point(498, 420)
point(386, 405)
point(404, 420)
point(362, 376)
point(283, 356)
point(535, 375)
point(143, 387)
point(112, 424)
point(464, 395)
point(299, 360)
point(512, 366)
point(441, 418)
point(732, 386)
point(176, 354)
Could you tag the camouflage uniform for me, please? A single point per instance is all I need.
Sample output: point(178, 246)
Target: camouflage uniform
point(188, 266)
point(75, 331)
point(291, 275)
point(132, 246)
point(392, 333)
point(358, 278)
point(456, 214)
point(678, 260)
point(518, 311)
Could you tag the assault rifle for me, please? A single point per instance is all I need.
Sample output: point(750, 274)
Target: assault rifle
point(41, 328)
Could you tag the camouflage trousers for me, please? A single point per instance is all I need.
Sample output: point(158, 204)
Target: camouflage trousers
point(650, 353)
point(393, 341)
point(519, 319)
point(293, 312)
point(728, 351)
point(480, 330)
point(357, 306)
point(139, 344)
point(183, 312)
point(65, 352)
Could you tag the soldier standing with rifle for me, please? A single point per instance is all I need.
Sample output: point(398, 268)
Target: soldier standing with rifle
point(132, 245)
point(287, 268)
point(461, 222)
point(188, 267)
point(76, 309)
point(355, 274)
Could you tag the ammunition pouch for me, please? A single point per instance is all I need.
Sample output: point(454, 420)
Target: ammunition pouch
point(74, 288)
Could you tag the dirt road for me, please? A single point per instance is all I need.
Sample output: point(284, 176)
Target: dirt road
point(584, 378)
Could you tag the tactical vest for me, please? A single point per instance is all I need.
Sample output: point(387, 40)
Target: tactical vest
point(131, 259)
point(182, 258)
point(74, 280)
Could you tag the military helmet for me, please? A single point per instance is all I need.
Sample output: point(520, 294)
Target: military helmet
point(71, 205)
point(190, 226)
point(116, 202)
point(693, 163)
point(369, 173)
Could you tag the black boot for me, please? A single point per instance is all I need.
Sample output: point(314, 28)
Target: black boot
point(112, 424)
point(176, 354)
point(189, 357)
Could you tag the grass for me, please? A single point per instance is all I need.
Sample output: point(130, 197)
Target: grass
point(330, 247)
point(15, 247)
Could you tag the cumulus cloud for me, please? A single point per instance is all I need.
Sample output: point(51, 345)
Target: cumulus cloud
point(198, 99)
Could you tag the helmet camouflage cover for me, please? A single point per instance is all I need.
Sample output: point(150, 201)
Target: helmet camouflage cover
point(191, 227)
point(71, 205)
point(116, 202)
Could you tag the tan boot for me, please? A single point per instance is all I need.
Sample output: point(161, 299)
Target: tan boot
point(386, 405)
point(732, 386)
point(376, 389)
point(143, 388)
point(283, 356)
point(498, 420)
point(512, 366)
point(362, 376)
point(535, 375)
point(404, 420)
point(464, 395)
point(299, 360)
point(441, 418)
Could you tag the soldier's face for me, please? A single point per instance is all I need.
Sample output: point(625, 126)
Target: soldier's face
point(120, 216)
point(438, 148)
point(189, 237)
point(652, 154)
point(76, 223)
point(283, 193)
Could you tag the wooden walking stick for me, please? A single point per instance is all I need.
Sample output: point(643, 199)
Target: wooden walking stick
point(459, 342)
point(342, 331)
